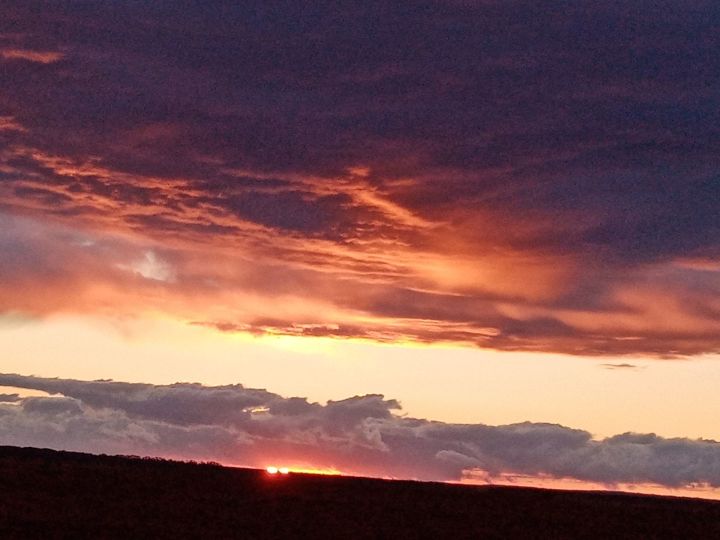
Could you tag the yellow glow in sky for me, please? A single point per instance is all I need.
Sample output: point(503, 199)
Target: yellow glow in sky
point(463, 385)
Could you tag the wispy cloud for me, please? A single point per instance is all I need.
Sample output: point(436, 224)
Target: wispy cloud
point(620, 366)
point(27, 55)
point(10, 124)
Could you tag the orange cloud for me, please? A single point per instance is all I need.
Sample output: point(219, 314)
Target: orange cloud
point(439, 201)
point(39, 57)
point(398, 282)
point(9, 123)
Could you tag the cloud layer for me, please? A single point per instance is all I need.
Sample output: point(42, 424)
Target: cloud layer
point(361, 435)
point(511, 175)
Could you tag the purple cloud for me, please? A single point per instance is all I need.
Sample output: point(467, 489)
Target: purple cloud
point(362, 434)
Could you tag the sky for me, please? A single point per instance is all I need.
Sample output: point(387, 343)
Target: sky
point(442, 240)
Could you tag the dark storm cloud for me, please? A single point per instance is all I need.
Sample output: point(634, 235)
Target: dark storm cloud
point(273, 85)
point(362, 434)
point(562, 157)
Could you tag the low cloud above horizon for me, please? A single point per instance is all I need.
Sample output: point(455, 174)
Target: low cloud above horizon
point(362, 435)
point(507, 175)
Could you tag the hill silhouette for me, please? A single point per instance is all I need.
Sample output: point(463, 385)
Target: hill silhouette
point(51, 494)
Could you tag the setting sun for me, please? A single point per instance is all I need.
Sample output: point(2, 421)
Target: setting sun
point(272, 469)
point(277, 470)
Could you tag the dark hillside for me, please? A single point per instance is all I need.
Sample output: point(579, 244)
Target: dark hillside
point(48, 494)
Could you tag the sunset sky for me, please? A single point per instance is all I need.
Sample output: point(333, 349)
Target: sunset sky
point(439, 239)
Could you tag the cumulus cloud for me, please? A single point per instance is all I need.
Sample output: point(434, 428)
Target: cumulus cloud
point(362, 435)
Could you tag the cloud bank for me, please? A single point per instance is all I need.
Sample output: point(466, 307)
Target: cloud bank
point(361, 435)
point(510, 175)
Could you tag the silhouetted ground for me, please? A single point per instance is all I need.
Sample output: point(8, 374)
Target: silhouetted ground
point(48, 494)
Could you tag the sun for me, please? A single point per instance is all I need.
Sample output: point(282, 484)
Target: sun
point(277, 470)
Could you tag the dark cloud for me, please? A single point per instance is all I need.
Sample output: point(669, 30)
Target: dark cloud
point(622, 366)
point(523, 165)
point(362, 434)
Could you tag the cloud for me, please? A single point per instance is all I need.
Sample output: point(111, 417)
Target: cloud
point(150, 267)
point(543, 171)
point(51, 268)
point(39, 57)
point(622, 366)
point(9, 123)
point(362, 435)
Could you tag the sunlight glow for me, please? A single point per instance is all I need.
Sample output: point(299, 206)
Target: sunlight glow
point(327, 472)
point(272, 469)
point(277, 470)
point(544, 481)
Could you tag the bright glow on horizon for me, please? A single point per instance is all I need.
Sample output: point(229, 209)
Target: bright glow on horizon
point(310, 470)
point(543, 481)
point(272, 469)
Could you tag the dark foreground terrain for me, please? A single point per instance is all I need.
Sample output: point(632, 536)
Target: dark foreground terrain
point(47, 494)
